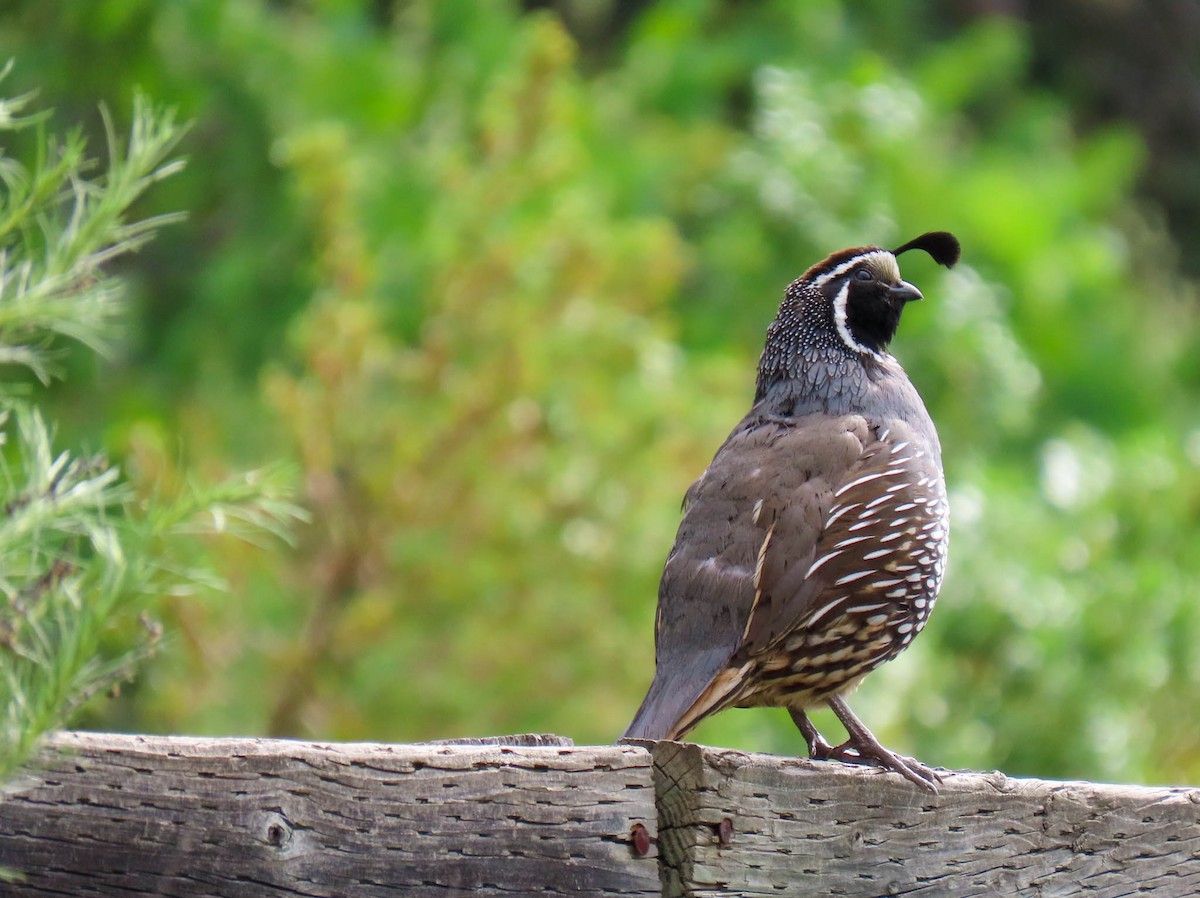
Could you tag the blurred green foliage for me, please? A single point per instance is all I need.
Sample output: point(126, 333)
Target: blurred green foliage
point(502, 305)
point(83, 558)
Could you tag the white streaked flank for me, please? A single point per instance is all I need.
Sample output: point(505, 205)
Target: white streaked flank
point(866, 478)
point(850, 578)
point(849, 541)
point(823, 611)
point(820, 561)
point(839, 511)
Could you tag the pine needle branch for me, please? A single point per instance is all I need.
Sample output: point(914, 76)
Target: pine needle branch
point(82, 559)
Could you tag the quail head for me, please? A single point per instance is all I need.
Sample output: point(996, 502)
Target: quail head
point(812, 548)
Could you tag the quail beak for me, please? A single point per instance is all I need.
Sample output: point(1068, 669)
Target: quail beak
point(904, 292)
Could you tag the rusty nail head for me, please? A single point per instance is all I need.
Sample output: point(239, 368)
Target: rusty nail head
point(641, 840)
point(725, 832)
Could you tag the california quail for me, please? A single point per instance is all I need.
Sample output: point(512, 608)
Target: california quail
point(812, 548)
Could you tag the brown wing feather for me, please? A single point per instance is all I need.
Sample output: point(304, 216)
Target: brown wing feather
point(708, 584)
point(765, 476)
point(801, 573)
point(761, 557)
point(868, 586)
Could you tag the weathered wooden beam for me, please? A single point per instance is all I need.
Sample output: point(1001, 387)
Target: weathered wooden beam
point(138, 815)
point(143, 815)
point(738, 824)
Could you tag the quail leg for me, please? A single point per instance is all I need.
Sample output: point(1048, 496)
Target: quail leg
point(818, 748)
point(868, 750)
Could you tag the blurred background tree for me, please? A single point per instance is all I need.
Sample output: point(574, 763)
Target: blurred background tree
point(496, 276)
point(83, 558)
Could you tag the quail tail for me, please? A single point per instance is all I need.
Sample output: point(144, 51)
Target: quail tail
point(673, 706)
point(660, 711)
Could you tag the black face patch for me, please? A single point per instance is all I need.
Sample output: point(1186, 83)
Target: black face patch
point(872, 314)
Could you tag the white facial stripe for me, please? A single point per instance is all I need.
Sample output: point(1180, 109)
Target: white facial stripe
point(843, 328)
point(882, 256)
point(839, 314)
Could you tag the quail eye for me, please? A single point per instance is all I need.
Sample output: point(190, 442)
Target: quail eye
point(864, 274)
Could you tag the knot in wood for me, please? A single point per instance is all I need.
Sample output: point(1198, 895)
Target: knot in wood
point(278, 833)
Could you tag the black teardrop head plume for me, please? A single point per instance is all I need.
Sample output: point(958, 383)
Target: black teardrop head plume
point(941, 245)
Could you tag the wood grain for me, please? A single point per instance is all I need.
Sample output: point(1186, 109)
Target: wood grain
point(124, 815)
point(108, 815)
point(796, 827)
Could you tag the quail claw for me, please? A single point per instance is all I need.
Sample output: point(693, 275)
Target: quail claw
point(868, 750)
point(911, 769)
